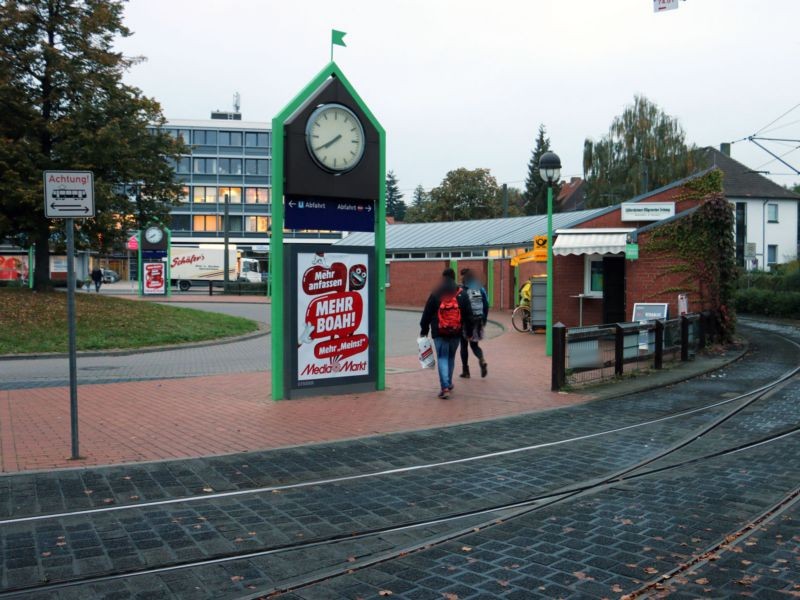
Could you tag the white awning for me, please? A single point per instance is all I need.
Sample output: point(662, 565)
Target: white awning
point(587, 242)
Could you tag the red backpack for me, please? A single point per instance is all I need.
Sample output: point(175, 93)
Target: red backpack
point(449, 315)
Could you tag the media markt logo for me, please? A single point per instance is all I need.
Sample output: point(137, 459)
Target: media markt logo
point(348, 366)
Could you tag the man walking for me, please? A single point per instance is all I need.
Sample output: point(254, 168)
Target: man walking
point(97, 278)
point(478, 302)
point(445, 316)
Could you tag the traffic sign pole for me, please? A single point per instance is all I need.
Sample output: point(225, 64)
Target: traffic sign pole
point(73, 358)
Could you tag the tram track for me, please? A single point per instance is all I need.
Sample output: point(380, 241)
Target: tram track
point(406, 469)
point(494, 514)
point(491, 514)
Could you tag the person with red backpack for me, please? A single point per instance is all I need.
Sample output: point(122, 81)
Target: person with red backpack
point(446, 315)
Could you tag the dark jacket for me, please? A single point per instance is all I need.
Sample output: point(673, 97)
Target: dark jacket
point(474, 284)
point(430, 318)
point(97, 275)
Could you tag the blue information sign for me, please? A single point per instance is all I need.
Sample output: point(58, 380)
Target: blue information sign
point(329, 213)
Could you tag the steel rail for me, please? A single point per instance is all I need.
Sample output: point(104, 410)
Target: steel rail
point(400, 470)
point(518, 508)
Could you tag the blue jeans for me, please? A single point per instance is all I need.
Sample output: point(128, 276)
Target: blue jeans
point(446, 348)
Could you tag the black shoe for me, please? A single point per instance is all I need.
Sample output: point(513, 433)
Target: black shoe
point(444, 394)
point(484, 368)
point(465, 373)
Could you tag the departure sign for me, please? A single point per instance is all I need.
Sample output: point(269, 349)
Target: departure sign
point(329, 213)
point(68, 194)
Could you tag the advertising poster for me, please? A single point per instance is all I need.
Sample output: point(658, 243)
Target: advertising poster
point(332, 316)
point(14, 267)
point(155, 278)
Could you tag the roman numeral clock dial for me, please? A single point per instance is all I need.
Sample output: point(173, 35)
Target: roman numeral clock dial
point(335, 138)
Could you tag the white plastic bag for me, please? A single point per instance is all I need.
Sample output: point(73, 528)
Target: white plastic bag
point(426, 360)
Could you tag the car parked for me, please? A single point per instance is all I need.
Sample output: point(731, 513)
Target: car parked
point(110, 276)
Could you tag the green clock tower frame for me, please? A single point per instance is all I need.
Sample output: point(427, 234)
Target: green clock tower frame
point(277, 265)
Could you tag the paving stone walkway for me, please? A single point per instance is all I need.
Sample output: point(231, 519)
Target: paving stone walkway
point(602, 545)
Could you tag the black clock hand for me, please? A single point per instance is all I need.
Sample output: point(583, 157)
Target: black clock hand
point(334, 140)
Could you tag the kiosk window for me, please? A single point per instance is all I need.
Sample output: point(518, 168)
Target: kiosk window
point(593, 275)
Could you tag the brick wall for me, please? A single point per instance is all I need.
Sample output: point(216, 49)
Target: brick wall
point(647, 281)
point(413, 281)
point(568, 282)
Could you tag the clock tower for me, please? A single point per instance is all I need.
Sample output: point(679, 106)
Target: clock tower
point(328, 302)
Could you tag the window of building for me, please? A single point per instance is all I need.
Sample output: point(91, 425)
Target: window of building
point(230, 138)
point(230, 166)
point(205, 166)
point(257, 224)
point(204, 195)
point(234, 223)
point(234, 194)
point(256, 140)
point(257, 196)
point(772, 254)
point(183, 196)
point(181, 134)
point(183, 165)
point(206, 223)
point(180, 222)
point(204, 137)
point(593, 275)
point(772, 213)
point(255, 166)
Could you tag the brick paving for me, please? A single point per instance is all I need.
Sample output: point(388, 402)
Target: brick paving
point(179, 418)
point(602, 545)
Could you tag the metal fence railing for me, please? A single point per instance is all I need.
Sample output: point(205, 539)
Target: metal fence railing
point(590, 354)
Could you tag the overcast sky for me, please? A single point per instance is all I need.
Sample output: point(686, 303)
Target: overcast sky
point(465, 83)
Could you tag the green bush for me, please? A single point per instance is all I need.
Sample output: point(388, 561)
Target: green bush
point(786, 280)
point(246, 287)
point(768, 302)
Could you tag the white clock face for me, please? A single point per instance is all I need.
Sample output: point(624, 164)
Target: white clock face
point(153, 235)
point(335, 138)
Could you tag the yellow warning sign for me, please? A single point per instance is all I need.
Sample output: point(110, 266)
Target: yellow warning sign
point(540, 248)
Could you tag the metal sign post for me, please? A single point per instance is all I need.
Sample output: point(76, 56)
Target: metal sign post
point(71, 333)
point(70, 195)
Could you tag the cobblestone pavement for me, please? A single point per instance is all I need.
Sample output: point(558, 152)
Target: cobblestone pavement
point(250, 355)
point(601, 545)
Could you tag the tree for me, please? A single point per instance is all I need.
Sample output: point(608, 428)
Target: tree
point(395, 207)
point(465, 194)
point(419, 210)
point(644, 149)
point(535, 187)
point(516, 202)
point(64, 106)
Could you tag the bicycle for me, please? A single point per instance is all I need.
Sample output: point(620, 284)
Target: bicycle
point(521, 318)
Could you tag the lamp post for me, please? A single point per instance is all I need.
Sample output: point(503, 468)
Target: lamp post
point(225, 258)
point(550, 171)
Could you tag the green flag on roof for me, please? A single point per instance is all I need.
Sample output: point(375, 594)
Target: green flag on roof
point(337, 38)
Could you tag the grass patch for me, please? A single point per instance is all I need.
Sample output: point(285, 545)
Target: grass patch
point(37, 322)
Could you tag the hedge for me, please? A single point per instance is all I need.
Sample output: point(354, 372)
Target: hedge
point(769, 303)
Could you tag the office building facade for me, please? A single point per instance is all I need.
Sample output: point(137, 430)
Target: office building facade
point(230, 160)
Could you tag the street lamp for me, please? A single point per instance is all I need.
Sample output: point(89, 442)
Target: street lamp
point(225, 258)
point(550, 171)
